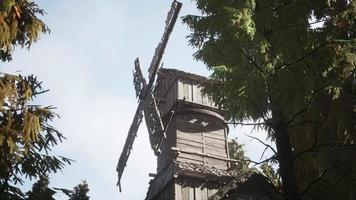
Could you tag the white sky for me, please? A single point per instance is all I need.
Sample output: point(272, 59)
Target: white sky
point(87, 63)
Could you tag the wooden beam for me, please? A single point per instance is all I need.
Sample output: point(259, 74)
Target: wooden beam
point(202, 154)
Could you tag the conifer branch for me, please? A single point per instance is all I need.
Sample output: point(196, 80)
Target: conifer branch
point(283, 66)
point(252, 61)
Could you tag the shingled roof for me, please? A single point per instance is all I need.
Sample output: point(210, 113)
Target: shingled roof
point(178, 168)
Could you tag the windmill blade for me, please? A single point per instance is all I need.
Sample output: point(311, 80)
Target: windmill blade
point(129, 142)
point(154, 122)
point(140, 84)
point(146, 98)
point(170, 22)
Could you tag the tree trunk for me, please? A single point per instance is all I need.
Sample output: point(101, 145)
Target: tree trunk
point(285, 159)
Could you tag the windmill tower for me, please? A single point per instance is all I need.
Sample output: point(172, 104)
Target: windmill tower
point(187, 132)
point(193, 161)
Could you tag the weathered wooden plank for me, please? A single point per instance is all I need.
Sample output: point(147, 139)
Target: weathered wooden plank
point(204, 150)
point(178, 192)
point(214, 137)
point(218, 147)
point(191, 138)
point(216, 151)
point(188, 140)
point(180, 90)
point(185, 192)
point(204, 193)
point(191, 157)
point(219, 133)
point(196, 137)
point(190, 148)
point(216, 163)
point(191, 193)
point(214, 142)
point(197, 192)
point(187, 91)
point(199, 98)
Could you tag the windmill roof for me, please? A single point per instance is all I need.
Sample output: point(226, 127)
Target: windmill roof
point(183, 74)
point(178, 168)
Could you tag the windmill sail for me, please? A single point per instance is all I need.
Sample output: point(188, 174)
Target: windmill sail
point(154, 123)
point(146, 99)
point(140, 84)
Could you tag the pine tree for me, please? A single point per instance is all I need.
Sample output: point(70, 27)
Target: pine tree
point(19, 25)
point(80, 192)
point(26, 135)
point(270, 64)
point(237, 152)
point(40, 190)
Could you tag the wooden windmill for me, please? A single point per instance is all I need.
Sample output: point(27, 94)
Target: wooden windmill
point(187, 132)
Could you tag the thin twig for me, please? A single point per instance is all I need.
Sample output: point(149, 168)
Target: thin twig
point(301, 58)
point(247, 124)
point(310, 185)
point(267, 145)
point(253, 61)
point(310, 101)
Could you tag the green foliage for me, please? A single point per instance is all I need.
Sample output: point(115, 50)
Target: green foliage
point(19, 25)
point(237, 152)
point(40, 190)
point(263, 51)
point(270, 64)
point(26, 137)
point(271, 174)
point(80, 192)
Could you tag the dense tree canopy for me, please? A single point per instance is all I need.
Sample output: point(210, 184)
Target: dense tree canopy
point(290, 66)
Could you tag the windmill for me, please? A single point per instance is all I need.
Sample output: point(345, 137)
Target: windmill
point(147, 105)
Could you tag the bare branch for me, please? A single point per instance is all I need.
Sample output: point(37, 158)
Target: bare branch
point(247, 124)
point(263, 161)
point(267, 145)
point(263, 153)
point(307, 105)
point(315, 181)
point(301, 58)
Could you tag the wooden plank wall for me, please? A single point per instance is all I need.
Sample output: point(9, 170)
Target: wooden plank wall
point(191, 92)
point(194, 189)
point(191, 137)
point(173, 88)
point(215, 144)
